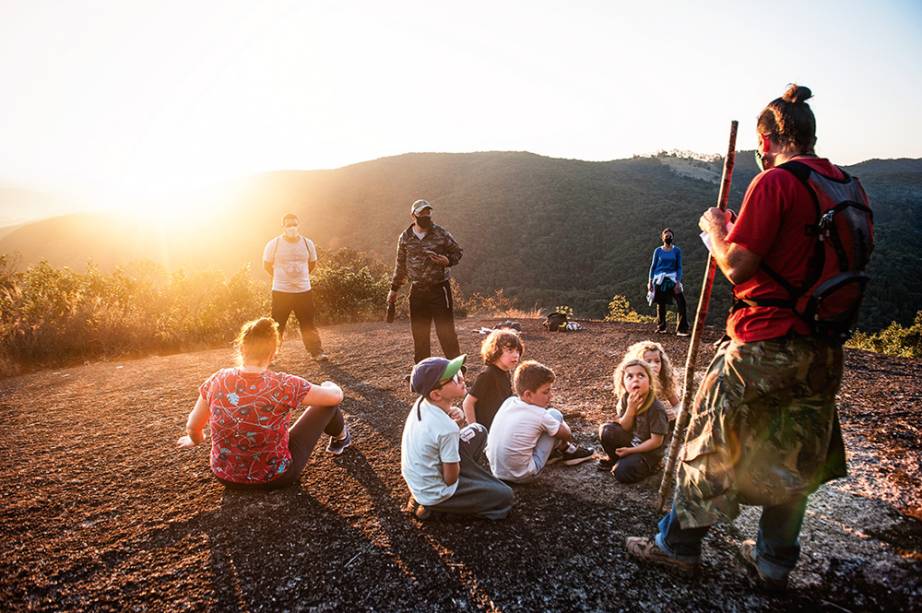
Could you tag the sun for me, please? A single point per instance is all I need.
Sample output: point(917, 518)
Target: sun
point(167, 203)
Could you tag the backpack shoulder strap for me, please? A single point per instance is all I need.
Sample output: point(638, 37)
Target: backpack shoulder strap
point(815, 266)
point(799, 170)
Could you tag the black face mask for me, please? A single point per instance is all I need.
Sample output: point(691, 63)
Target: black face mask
point(424, 222)
point(667, 240)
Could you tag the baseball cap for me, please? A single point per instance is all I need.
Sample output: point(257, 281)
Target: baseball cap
point(430, 372)
point(418, 206)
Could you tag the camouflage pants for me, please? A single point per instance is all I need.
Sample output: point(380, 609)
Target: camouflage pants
point(763, 429)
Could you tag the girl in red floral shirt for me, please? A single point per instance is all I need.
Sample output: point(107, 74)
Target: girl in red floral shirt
point(248, 409)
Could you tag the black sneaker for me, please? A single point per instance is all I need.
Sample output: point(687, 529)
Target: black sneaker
point(577, 456)
point(336, 446)
point(661, 330)
point(556, 456)
point(605, 465)
point(682, 333)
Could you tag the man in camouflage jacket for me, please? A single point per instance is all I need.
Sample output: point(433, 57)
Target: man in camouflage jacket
point(425, 252)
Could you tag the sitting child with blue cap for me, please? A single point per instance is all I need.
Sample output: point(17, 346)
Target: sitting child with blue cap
point(438, 451)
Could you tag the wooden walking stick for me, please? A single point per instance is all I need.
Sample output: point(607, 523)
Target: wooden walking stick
point(681, 424)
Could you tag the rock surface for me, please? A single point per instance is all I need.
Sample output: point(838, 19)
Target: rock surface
point(101, 510)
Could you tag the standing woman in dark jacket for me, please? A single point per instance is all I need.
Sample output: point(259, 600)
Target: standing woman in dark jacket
point(665, 280)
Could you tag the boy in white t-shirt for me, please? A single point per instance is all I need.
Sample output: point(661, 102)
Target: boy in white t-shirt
point(438, 455)
point(526, 435)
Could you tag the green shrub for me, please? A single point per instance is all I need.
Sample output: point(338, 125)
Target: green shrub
point(565, 309)
point(51, 316)
point(893, 340)
point(349, 286)
point(619, 309)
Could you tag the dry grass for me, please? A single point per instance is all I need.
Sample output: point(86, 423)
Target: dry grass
point(515, 313)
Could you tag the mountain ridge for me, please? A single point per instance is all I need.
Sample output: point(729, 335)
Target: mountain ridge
point(546, 230)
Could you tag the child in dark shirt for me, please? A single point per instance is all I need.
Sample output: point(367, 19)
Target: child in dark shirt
point(634, 440)
point(501, 351)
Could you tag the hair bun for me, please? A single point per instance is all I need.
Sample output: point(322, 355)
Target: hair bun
point(796, 94)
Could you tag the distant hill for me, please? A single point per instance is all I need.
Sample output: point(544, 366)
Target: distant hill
point(19, 205)
point(548, 231)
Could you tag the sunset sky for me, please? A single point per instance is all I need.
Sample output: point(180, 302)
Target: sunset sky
point(108, 99)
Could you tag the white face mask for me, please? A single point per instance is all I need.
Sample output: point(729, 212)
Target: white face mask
point(291, 231)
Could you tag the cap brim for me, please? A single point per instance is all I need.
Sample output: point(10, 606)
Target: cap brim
point(453, 367)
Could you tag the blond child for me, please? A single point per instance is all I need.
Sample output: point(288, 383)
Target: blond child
point(634, 440)
point(249, 408)
point(500, 351)
point(527, 434)
point(663, 374)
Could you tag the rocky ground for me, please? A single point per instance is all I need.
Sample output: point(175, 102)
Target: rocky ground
point(101, 511)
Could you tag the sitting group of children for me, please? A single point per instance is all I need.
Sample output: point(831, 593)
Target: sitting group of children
point(507, 415)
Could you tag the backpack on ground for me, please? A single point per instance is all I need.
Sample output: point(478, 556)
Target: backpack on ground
point(833, 288)
point(555, 322)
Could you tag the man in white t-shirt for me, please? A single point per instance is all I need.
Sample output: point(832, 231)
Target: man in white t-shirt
point(290, 258)
point(438, 451)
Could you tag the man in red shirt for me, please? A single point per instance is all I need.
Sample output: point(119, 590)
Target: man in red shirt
point(764, 429)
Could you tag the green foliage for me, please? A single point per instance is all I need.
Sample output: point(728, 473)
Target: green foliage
point(893, 340)
point(52, 316)
point(565, 309)
point(619, 309)
point(349, 286)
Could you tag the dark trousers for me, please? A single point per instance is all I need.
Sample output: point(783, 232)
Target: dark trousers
point(302, 438)
point(428, 304)
point(479, 493)
point(777, 543)
point(661, 299)
point(631, 468)
point(302, 303)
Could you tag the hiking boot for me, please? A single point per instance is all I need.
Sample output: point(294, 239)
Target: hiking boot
point(576, 456)
point(751, 557)
point(646, 550)
point(336, 445)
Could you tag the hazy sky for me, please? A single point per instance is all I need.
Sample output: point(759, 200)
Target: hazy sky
point(117, 97)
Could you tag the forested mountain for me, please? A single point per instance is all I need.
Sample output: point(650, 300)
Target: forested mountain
point(548, 231)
